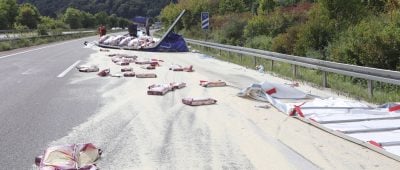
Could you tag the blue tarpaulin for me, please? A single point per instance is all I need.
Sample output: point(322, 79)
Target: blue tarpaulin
point(172, 43)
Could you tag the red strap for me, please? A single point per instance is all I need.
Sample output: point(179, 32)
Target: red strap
point(271, 91)
point(297, 110)
point(375, 143)
point(394, 108)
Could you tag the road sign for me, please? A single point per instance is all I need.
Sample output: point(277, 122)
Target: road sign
point(205, 20)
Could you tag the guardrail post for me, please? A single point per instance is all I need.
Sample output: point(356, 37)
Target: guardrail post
point(255, 61)
point(272, 65)
point(220, 52)
point(324, 79)
point(294, 68)
point(370, 88)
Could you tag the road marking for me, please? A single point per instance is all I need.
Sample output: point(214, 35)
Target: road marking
point(27, 51)
point(68, 69)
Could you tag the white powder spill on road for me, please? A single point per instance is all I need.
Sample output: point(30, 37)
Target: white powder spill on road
point(137, 131)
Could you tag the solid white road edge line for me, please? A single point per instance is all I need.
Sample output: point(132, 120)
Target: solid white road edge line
point(27, 51)
point(68, 69)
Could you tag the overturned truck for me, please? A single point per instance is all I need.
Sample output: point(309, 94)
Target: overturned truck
point(169, 42)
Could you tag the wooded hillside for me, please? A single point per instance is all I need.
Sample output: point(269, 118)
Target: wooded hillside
point(122, 8)
point(361, 32)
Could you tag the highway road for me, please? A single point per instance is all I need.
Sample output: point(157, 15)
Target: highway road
point(37, 105)
point(46, 102)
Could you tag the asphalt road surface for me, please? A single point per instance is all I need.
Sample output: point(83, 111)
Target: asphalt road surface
point(38, 104)
point(46, 102)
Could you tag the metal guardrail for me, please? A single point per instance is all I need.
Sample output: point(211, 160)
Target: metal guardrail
point(10, 36)
point(368, 73)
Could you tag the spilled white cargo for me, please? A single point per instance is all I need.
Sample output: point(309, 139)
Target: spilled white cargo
point(379, 126)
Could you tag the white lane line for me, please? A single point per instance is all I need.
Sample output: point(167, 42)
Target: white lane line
point(27, 51)
point(68, 69)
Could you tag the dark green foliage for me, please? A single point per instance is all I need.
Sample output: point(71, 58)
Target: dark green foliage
point(261, 42)
point(232, 33)
point(8, 12)
point(231, 6)
point(316, 33)
point(28, 15)
point(73, 17)
point(374, 42)
point(122, 8)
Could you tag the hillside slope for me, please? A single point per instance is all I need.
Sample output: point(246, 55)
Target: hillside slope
point(122, 8)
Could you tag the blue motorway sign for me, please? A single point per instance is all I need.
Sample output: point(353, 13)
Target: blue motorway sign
point(205, 20)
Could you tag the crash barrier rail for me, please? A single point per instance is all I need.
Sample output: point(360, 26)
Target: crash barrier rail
point(9, 35)
point(367, 73)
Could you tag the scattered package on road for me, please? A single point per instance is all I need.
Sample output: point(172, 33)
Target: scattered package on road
point(176, 67)
point(123, 56)
point(198, 101)
point(129, 74)
point(104, 73)
point(104, 50)
point(143, 62)
point(126, 69)
point(218, 83)
point(161, 89)
point(87, 68)
point(149, 67)
point(69, 157)
point(146, 75)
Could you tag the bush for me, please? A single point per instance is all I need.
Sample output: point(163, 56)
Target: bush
point(5, 46)
point(285, 43)
point(373, 42)
point(231, 33)
point(316, 33)
point(42, 30)
point(261, 42)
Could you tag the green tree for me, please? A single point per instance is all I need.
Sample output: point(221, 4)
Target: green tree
point(374, 42)
point(8, 12)
point(231, 6)
point(112, 21)
point(345, 12)
point(88, 20)
point(73, 17)
point(101, 18)
point(316, 33)
point(28, 15)
point(51, 23)
point(266, 6)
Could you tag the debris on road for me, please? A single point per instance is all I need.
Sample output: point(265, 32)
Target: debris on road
point(176, 67)
point(149, 67)
point(293, 84)
point(198, 101)
point(161, 89)
point(155, 63)
point(104, 50)
point(87, 68)
point(71, 157)
point(126, 69)
point(158, 89)
point(104, 73)
point(146, 75)
point(260, 68)
point(129, 74)
point(218, 83)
